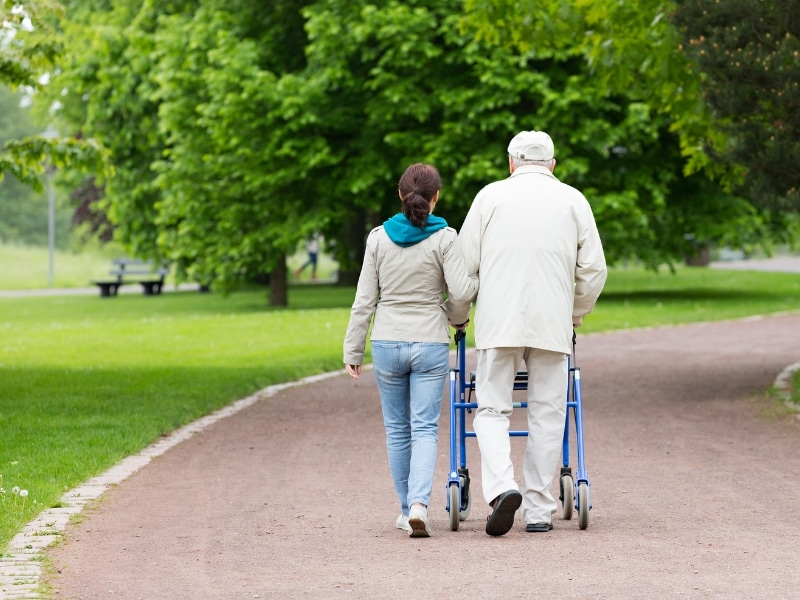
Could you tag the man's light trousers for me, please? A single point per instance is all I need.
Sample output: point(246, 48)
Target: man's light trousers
point(547, 401)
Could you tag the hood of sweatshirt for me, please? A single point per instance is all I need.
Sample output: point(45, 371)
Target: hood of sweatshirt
point(404, 234)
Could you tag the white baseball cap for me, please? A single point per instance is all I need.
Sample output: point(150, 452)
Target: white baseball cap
point(531, 145)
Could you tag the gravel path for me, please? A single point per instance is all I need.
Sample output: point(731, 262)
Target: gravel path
point(694, 475)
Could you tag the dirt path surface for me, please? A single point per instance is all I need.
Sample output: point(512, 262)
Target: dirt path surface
point(694, 486)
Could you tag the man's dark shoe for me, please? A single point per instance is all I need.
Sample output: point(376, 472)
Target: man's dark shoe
point(502, 518)
point(538, 527)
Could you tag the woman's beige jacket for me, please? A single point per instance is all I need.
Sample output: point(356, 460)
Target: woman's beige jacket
point(405, 290)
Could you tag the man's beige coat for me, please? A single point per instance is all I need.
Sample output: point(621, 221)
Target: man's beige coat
point(534, 244)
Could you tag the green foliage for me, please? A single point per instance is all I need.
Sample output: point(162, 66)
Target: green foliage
point(237, 133)
point(24, 208)
point(185, 97)
point(748, 52)
point(30, 49)
point(435, 94)
point(105, 76)
point(634, 51)
point(23, 212)
point(15, 121)
point(29, 157)
point(28, 45)
point(400, 83)
point(795, 395)
point(231, 196)
point(630, 48)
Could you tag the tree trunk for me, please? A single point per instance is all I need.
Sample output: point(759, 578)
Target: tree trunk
point(354, 238)
point(700, 254)
point(278, 289)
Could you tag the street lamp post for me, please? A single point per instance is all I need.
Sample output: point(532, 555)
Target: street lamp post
point(51, 213)
point(51, 226)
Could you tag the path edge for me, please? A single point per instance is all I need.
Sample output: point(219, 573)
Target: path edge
point(21, 565)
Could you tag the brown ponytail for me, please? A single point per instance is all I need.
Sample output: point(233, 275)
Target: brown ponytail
point(417, 187)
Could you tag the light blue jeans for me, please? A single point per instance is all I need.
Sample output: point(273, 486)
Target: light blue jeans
point(411, 378)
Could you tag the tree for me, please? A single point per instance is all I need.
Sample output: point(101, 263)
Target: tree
point(634, 50)
point(29, 49)
point(629, 48)
point(184, 96)
point(237, 130)
point(23, 212)
point(748, 52)
point(233, 199)
point(421, 88)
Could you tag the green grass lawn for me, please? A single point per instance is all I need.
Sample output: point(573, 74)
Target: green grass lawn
point(636, 298)
point(28, 267)
point(87, 381)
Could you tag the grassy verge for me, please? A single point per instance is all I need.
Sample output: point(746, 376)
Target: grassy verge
point(796, 384)
point(87, 381)
point(636, 298)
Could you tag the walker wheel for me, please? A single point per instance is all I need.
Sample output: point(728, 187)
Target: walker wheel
point(583, 505)
point(467, 498)
point(567, 496)
point(455, 503)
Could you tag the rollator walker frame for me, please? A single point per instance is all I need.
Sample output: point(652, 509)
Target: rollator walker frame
point(458, 490)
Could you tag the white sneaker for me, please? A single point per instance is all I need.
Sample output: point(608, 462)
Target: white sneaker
point(402, 523)
point(418, 521)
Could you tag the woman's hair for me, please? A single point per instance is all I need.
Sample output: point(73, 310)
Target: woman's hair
point(418, 186)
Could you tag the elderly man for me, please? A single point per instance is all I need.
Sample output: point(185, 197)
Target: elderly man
point(535, 245)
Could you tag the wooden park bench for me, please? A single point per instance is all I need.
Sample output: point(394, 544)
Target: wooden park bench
point(143, 272)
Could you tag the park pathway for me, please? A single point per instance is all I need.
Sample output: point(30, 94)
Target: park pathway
point(694, 474)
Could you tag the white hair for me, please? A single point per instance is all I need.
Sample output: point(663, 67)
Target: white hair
point(519, 162)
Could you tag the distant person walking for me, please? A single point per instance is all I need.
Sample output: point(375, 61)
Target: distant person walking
point(312, 247)
point(535, 243)
point(410, 262)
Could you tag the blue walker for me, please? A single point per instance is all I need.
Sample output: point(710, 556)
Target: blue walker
point(574, 491)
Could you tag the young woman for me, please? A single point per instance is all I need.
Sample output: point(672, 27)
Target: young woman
point(410, 263)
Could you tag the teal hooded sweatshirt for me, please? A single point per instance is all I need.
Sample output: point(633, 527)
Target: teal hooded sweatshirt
point(404, 234)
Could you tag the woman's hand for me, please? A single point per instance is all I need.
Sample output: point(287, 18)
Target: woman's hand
point(353, 370)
